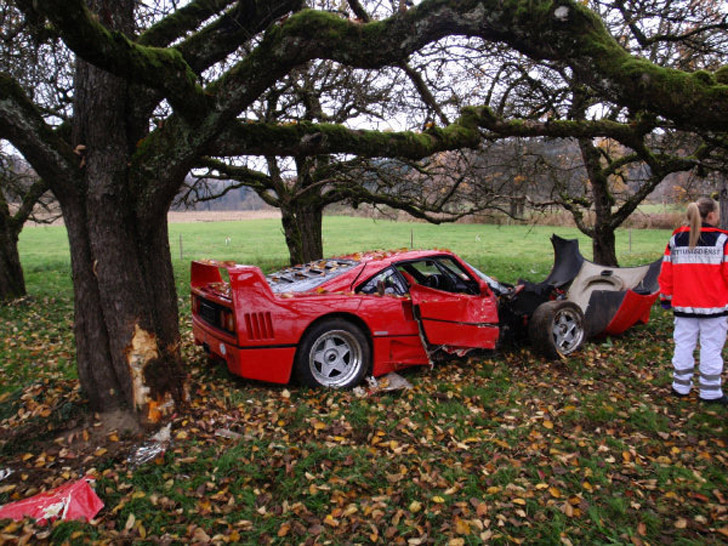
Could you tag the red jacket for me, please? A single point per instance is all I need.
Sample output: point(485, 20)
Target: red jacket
point(695, 280)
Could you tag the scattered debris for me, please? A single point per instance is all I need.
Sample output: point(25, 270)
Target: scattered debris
point(152, 449)
point(387, 383)
point(5, 472)
point(75, 500)
point(227, 433)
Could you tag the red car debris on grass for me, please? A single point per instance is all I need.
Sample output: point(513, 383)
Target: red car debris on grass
point(332, 322)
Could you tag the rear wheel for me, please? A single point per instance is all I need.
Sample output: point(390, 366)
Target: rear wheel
point(556, 328)
point(334, 353)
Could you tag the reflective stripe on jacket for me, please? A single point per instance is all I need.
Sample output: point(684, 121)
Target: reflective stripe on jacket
point(695, 280)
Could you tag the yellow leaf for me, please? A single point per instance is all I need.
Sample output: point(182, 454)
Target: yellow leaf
point(555, 492)
point(462, 527)
point(493, 490)
point(548, 424)
point(438, 499)
point(522, 502)
point(283, 531)
point(113, 437)
point(415, 506)
point(11, 528)
point(587, 486)
point(626, 457)
point(181, 435)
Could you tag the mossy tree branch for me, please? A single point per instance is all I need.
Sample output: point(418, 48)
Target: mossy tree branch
point(232, 29)
point(22, 124)
point(158, 68)
point(306, 138)
point(186, 19)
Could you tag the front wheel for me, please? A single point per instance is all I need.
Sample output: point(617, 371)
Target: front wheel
point(334, 353)
point(556, 328)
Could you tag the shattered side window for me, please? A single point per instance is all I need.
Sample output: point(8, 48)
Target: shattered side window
point(302, 278)
point(384, 282)
point(441, 273)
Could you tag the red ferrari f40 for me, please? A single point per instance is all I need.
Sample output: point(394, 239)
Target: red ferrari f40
point(332, 322)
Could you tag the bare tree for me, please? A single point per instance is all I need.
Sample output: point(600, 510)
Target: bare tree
point(151, 100)
point(39, 66)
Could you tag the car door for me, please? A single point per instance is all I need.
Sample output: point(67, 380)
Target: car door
point(452, 307)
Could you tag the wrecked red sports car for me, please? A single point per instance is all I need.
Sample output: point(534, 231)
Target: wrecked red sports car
point(334, 321)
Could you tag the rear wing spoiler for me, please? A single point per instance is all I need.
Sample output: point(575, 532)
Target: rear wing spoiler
point(216, 274)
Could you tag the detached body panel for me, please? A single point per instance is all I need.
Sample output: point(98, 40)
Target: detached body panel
point(613, 299)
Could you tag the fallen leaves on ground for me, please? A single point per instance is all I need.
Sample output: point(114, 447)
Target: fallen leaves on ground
point(506, 448)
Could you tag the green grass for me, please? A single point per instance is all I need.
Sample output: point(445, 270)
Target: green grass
point(501, 448)
point(506, 252)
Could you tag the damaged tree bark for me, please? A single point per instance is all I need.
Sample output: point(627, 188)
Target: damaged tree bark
point(125, 300)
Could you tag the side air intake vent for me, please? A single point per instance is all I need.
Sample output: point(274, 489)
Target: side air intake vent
point(259, 326)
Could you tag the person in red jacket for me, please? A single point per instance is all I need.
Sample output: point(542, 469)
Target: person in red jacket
point(694, 283)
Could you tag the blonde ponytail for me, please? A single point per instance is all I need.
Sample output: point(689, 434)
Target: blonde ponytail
point(694, 222)
point(696, 213)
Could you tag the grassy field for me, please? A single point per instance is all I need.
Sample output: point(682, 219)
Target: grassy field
point(504, 251)
point(504, 448)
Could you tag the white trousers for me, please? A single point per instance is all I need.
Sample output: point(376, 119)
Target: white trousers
point(711, 333)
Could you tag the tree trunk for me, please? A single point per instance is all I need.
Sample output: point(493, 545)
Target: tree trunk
point(603, 240)
point(126, 321)
point(603, 245)
point(12, 282)
point(127, 337)
point(302, 229)
point(723, 203)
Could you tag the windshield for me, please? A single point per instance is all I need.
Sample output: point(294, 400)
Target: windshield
point(493, 284)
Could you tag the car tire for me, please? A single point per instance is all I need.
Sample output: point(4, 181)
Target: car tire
point(556, 328)
point(334, 353)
